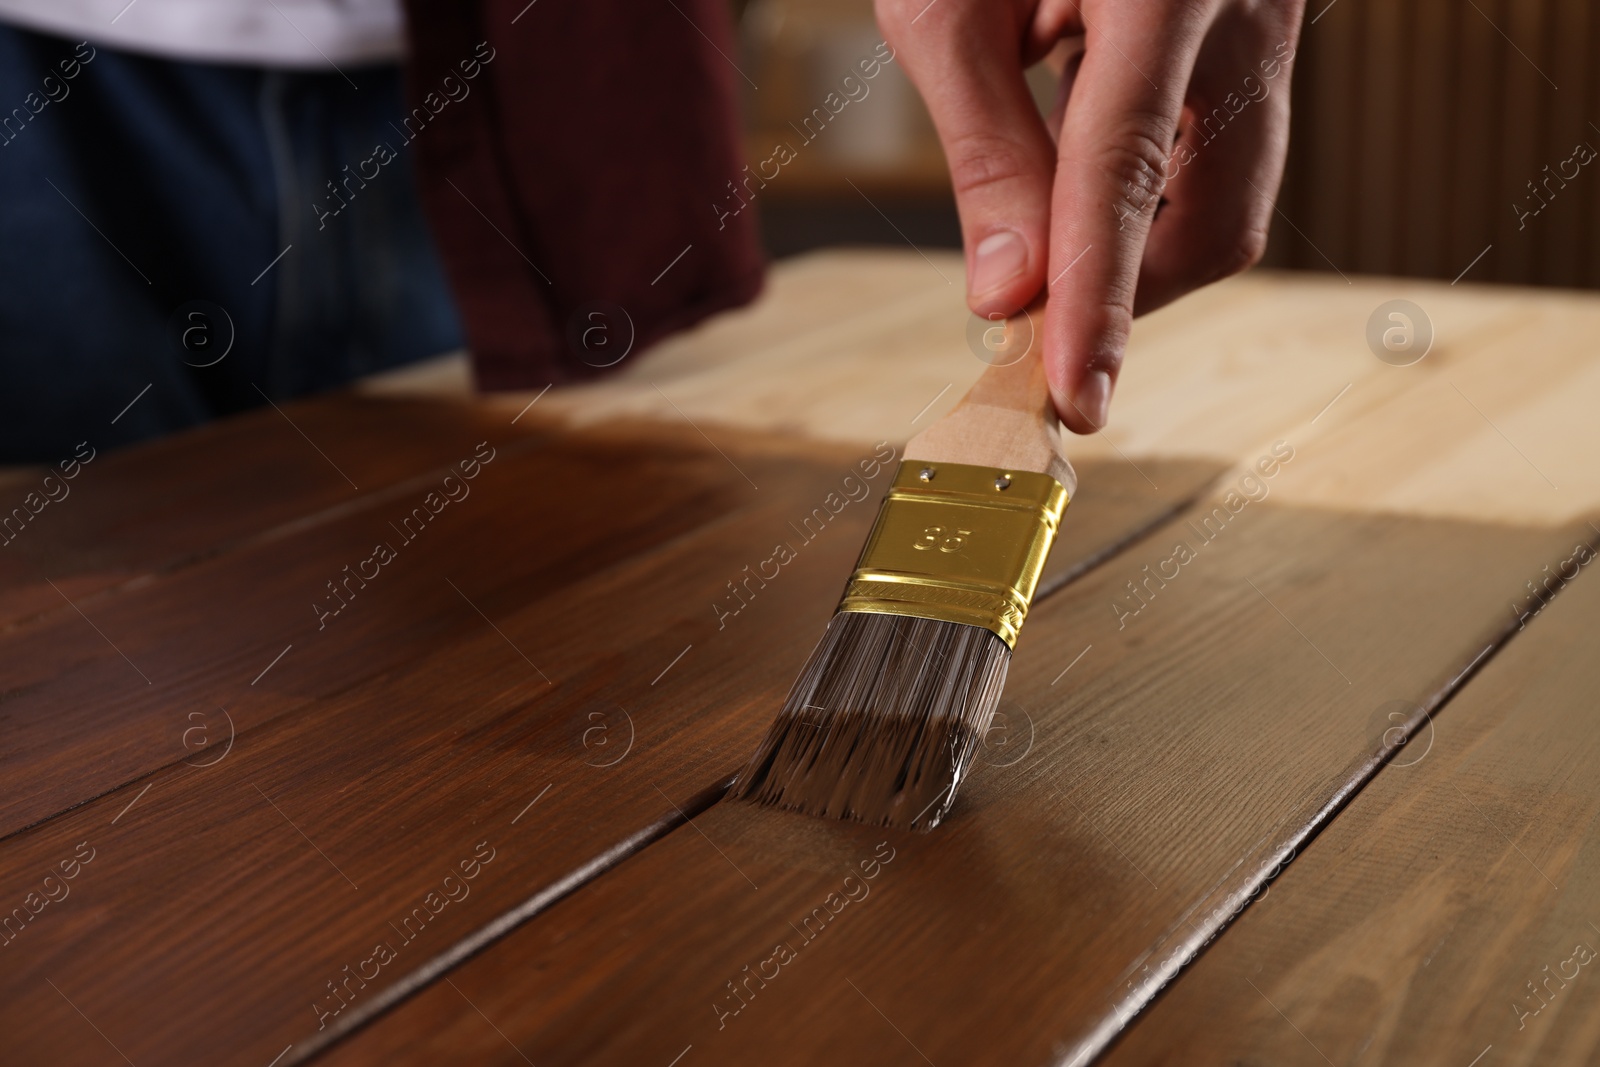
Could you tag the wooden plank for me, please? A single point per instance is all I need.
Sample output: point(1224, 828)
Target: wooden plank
point(1385, 95)
point(165, 505)
point(1190, 750)
point(1433, 921)
point(1562, 249)
point(398, 777)
point(1591, 196)
point(147, 678)
point(1328, 147)
point(1429, 190)
point(1479, 119)
point(1528, 102)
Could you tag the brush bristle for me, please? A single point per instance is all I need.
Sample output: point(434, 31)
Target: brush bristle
point(882, 723)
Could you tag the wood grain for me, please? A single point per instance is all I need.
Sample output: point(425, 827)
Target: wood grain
point(1410, 929)
point(1006, 420)
point(107, 691)
point(441, 734)
point(1214, 377)
point(1180, 758)
point(255, 862)
point(153, 509)
point(1199, 742)
point(1152, 768)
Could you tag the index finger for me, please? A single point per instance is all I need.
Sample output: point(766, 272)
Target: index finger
point(1113, 153)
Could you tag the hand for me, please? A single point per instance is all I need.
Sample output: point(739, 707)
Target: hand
point(1181, 105)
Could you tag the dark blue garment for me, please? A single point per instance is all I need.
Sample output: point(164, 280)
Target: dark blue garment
point(144, 205)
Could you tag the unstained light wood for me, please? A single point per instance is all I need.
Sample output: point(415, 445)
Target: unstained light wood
point(1006, 420)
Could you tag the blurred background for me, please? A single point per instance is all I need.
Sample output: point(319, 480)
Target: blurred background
point(1432, 138)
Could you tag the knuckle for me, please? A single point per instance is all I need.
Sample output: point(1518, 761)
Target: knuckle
point(1135, 160)
point(978, 161)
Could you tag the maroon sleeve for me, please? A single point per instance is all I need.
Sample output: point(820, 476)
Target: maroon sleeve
point(574, 152)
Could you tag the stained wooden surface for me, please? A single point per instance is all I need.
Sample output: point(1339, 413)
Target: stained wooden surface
point(541, 677)
point(440, 731)
point(123, 517)
point(103, 697)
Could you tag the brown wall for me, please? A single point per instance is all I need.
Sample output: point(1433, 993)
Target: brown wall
point(1419, 124)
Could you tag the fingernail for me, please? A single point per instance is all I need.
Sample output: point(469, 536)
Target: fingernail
point(998, 258)
point(1093, 398)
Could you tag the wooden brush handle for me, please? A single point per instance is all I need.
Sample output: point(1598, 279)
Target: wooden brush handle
point(1006, 420)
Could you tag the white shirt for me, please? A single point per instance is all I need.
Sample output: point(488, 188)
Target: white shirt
point(272, 33)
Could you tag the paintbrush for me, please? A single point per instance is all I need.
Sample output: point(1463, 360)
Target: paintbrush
point(889, 711)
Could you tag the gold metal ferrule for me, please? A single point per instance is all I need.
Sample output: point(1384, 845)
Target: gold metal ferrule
point(958, 543)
